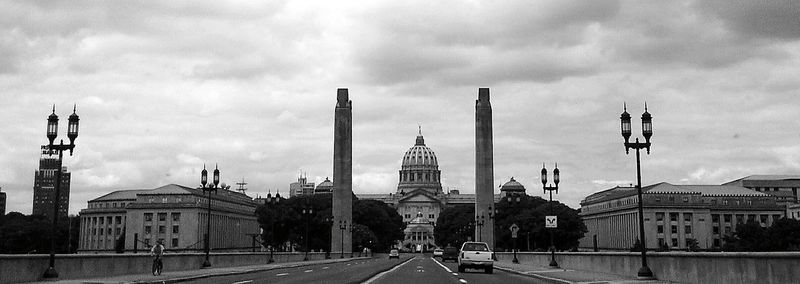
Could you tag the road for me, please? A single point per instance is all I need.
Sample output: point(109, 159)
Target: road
point(424, 269)
point(416, 269)
point(355, 271)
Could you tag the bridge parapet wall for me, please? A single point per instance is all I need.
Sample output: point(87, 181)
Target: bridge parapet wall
point(683, 267)
point(28, 268)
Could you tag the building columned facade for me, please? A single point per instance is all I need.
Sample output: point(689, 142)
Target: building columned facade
point(44, 184)
point(419, 197)
point(174, 214)
point(675, 216)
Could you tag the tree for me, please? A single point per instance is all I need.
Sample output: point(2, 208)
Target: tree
point(748, 237)
point(381, 219)
point(21, 234)
point(783, 235)
point(454, 225)
point(529, 214)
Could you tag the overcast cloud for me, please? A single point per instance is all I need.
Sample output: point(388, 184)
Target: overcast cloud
point(165, 86)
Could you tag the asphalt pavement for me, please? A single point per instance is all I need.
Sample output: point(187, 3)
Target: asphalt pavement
point(424, 269)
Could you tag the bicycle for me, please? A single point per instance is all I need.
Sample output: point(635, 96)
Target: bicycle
point(157, 266)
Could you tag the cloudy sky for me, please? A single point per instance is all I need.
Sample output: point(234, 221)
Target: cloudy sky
point(165, 86)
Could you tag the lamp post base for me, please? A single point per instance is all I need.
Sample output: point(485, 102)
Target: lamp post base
point(553, 263)
point(206, 264)
point(645, 274)
point(50, 273)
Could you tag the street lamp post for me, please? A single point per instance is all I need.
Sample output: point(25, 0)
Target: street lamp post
point(647, 132)
point(350, 230)
point(52, 133)
point(272, 201)
point(208, 188)
point(342, 227)
point(546, 188)
point(308, 211)
point(479, 221)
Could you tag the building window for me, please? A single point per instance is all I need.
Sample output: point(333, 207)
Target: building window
point(673, 217)
point(687, 217)
point(727, 230)
point(751, 217)
point(162, 216)
point(101, 220)
point(674, 229)
point(716, 242)
point(94, 231)
point(118, 220)
point(119, 231)
point(658, 199)
point(715, 230)
point(672, 199)
point(147, 230)
point(175, 229)
point(430, 216)
point(148, 217)
point(727, 218)
point(109, 231)
point(687, 229)
point(776, 217)
point(739, 218)
point(101, 231)
point(660, 229)
point(675, 242)
point(685, 199)
point(659, 216)
point(162, 229)
point(176, 217)
point(763, 219)
point(174, 242)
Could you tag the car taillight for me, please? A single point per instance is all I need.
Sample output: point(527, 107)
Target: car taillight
point(462, 254)
point(493, 258)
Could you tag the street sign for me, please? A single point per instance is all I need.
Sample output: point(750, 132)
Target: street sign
point(514, 229)
point(551, 221)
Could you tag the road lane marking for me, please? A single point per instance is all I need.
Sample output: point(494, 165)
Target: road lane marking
point(455, 274)
point(307, 271)
point(462, 280)
point(242, 282)
point(442, 265)
point(325, 267)
point(281, 274)
point(376, 277)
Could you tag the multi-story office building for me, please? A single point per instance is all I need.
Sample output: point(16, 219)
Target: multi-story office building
point(174, 214)
point(301, 187)
point(674, 215)
point(44, 184)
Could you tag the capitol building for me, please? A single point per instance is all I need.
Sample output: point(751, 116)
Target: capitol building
point(419, 197)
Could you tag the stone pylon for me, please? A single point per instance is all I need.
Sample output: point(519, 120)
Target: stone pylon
point(341, 238)
point(484, 169)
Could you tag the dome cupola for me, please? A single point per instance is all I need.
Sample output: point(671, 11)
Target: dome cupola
point(420, 168)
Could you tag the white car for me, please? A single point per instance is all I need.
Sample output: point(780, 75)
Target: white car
point(476, 255)
point(394, 253)
point(438, 253)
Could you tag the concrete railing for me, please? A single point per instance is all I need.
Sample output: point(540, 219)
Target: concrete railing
point(27, 268)
point(683, 267)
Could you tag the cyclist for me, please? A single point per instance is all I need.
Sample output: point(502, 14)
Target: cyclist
point(157, 251)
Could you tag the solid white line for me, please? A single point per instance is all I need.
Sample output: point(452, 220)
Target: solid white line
point(442, 265)
point(376, 277)
point(281, 274)
point(242, 282)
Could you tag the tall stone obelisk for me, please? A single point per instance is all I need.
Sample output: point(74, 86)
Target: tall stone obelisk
point(341, 238)
point(484, 169)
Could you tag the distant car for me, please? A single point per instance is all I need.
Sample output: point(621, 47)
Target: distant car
point(450, 253)
point(476, 255)
point(394, 253)
point(438, 253)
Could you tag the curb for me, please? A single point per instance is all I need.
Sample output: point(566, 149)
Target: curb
point(537, 276)
point(202, 276)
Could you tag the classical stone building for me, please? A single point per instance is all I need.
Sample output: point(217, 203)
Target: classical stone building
point(174, 214)
point(674, 215)
point(44, 184)
point(419, 197)
point(783, 187)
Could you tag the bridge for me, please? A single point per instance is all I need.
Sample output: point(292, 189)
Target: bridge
point(681, 267)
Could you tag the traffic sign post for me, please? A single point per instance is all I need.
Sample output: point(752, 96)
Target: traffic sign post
point(551, 222)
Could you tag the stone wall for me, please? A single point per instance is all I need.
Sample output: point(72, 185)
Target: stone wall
point(683, 267)
point(26, 268)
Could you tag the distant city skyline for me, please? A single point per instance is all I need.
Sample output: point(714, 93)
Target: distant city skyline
point(164, 87)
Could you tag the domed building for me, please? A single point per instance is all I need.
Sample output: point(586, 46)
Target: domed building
point(419, 197)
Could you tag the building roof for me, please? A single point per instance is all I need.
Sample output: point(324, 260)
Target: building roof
point(420, 155)
point(121, 195)
point(513, 186)
point(667, 188)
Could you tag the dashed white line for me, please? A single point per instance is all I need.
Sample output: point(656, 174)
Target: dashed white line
point(325, 267)
point(242, 282)
point(376, 277)
point(307, 271)
point(281, 274)
point(462, 280)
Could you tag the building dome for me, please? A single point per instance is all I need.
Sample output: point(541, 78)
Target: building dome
point(420, 169)
point(512, 186)
point(325, 186)
point(420, 155)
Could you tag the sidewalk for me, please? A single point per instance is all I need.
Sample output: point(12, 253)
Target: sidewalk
point(188, 275)
point(568, 276)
